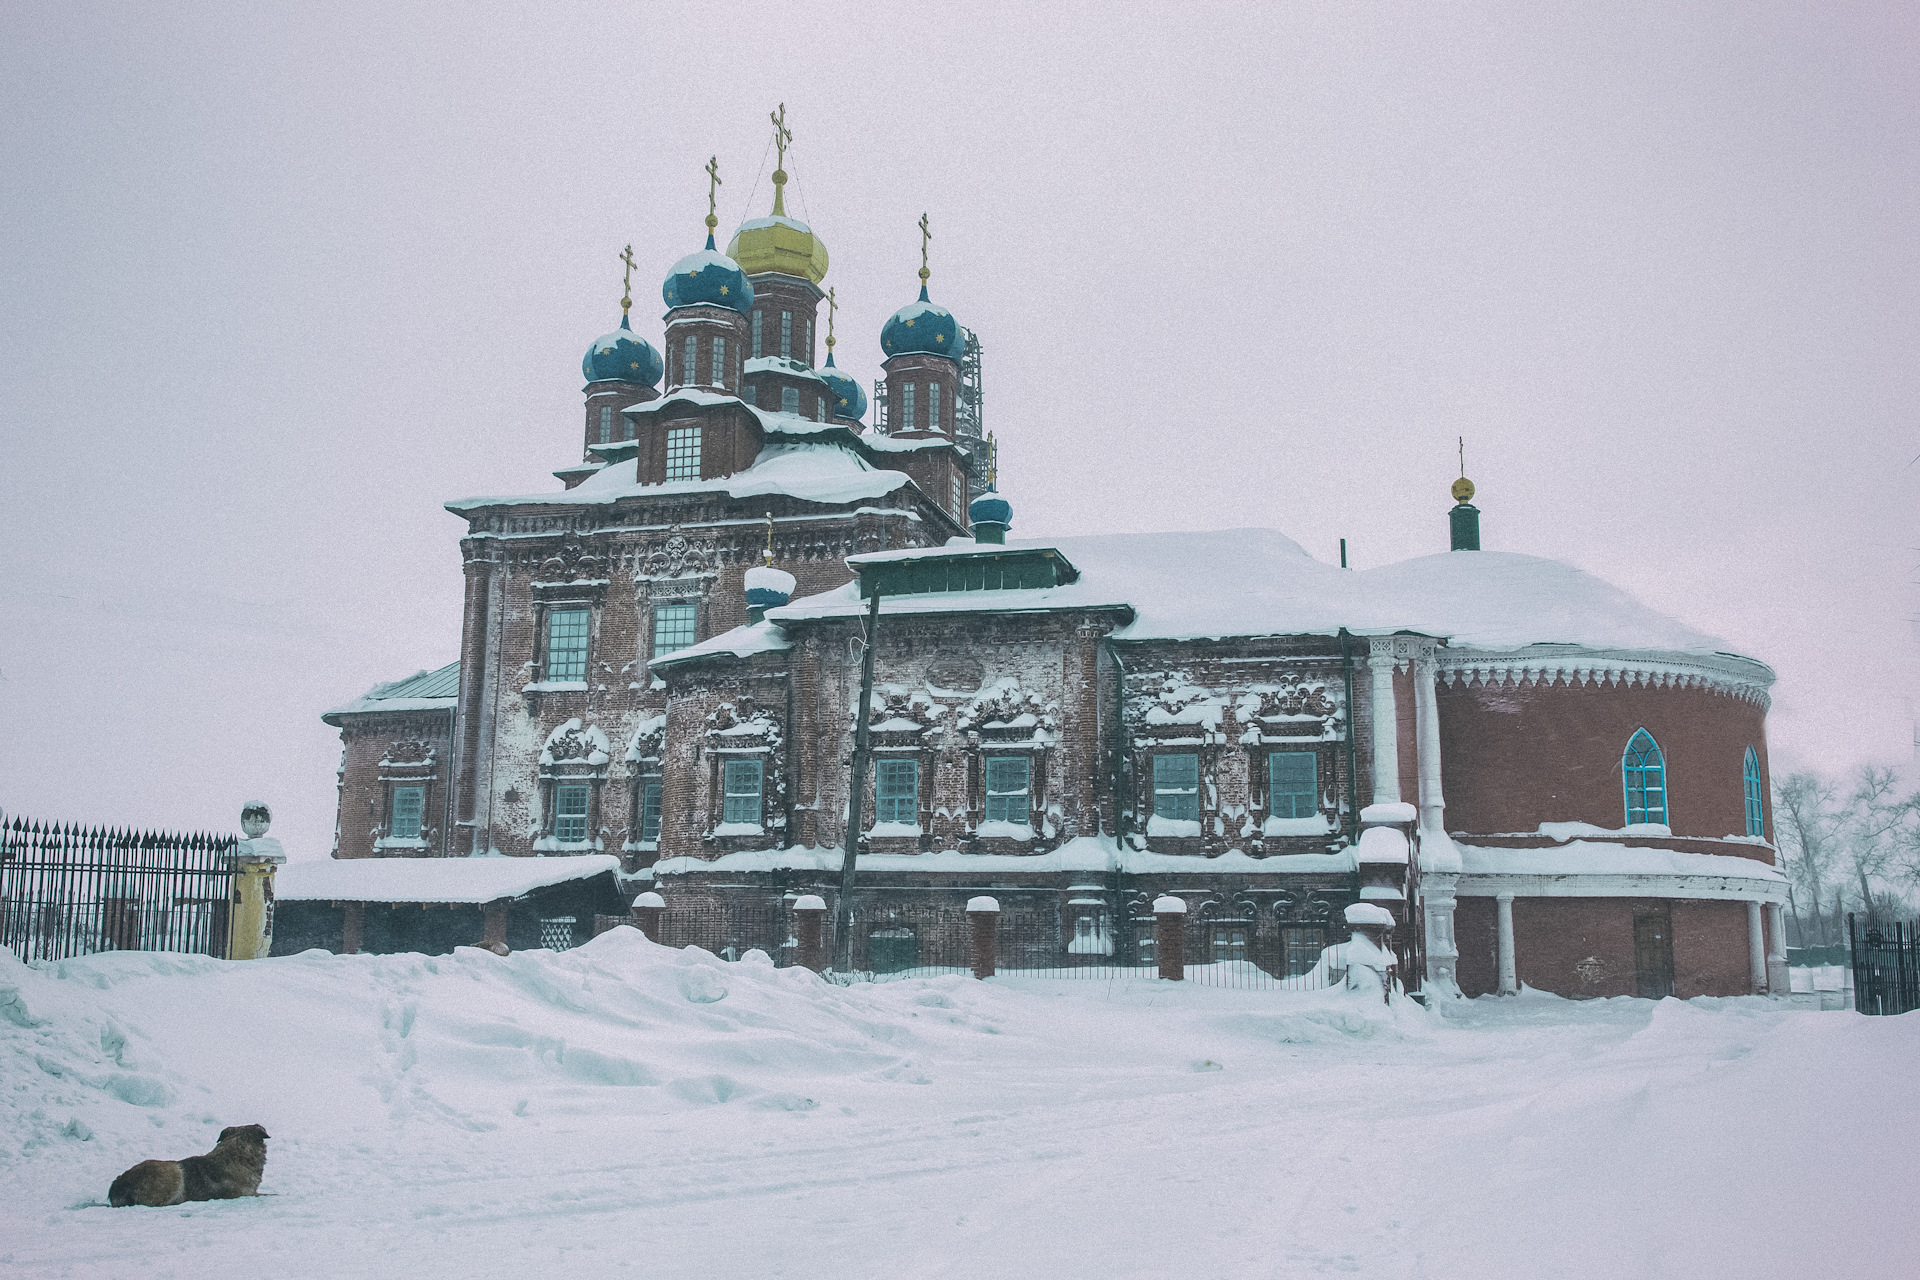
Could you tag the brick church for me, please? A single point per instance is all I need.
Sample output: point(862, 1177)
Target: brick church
point(1546, 782)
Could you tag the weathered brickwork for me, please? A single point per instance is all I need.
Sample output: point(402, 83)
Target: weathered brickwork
point(380, 752)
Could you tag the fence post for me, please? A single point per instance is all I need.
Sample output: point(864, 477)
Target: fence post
point(983, 921)
point(493, 930)
point(250, 927)
point(1170, 936)
point(808, 912)
point(646, 914)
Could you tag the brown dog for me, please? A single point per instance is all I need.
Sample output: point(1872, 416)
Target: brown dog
point(230, 1170)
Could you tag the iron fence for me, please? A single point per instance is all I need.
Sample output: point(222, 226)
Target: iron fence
point(69, 891)
point(1886, 968)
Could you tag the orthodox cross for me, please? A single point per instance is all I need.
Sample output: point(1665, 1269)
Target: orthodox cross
point(832, 306)
point(1463, 454)
point(713, 192)
point(993, 461)
point(626, 283)
point(925, 235)
point(781, 137)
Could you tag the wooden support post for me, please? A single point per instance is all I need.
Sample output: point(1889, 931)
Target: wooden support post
point(353, 927)
point(494, 935)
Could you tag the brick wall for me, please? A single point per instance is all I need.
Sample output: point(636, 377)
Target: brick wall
point(415, 748)
point(1583, 947)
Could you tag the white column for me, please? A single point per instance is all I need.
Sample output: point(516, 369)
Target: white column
point(1509, 972)
point(1386, 723)
point(1756, 951)
point(1779, 981)
point(1439, 860)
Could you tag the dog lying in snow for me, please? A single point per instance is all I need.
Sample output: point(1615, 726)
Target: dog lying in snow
point(232, 1169)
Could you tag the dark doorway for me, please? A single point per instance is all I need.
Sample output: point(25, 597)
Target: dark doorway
point(892, 950)
point(1653, 953)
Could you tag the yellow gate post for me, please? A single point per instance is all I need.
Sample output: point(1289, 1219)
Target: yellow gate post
point(250, 923)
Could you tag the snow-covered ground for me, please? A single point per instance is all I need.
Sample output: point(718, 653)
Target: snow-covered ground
point(627, 1109)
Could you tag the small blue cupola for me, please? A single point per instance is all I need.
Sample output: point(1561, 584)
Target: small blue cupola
point(991, 514)
point(849, 398)
point(622, 356)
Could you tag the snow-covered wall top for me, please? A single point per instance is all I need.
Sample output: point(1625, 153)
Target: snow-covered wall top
point(431, 879)
point(812, 472)
point(1252, 582)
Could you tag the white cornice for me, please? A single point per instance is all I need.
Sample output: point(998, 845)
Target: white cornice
point(1572, 665)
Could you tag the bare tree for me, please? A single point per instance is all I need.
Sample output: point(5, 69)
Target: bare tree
point(1806, 821)
point(1878, 829)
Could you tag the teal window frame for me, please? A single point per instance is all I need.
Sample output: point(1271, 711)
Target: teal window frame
point(675, 626)
point(790, 400)
point(1753, 794)
point(896, 791)
point(742, 785)
point(1006, 802)
point(567, 635)
point(683, 453)
point(906, 407)
point(1293, 784)
point(933, 406)
point(1176, 787)
point(570, 802)
point(650, 810)
point(1643, 778)
point(409, 812)
point(786, 335)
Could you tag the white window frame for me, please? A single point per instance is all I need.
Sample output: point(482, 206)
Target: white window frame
point(719, 362)
point(906, 406)
point(933, 406)
point(741, 805)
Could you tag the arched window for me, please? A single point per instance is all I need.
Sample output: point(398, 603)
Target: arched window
point(1644, 771)
point(1750, 784)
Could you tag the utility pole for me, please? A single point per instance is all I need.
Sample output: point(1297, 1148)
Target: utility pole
point(856, 794)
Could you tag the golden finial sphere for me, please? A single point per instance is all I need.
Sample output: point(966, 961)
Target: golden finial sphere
point(780, 177)
point(1463, 490)
point(924, 274)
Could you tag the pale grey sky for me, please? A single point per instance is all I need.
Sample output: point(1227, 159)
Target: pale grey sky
point(278, 282)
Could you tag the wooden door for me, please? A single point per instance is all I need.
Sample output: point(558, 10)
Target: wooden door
point(1653, 954)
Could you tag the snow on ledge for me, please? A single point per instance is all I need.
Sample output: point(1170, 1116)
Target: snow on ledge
point(431, 879)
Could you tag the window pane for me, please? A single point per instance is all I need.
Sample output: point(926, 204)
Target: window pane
point(1293, 784)
point(906, 407)
point(897, 791)
point(570, 812)
point(806, 349)
point(752, 396)
point(959, 492)
point(789, 400)
point(650, 809)
point(1644, 771)
point(786, 334)
point(719, 362)
point(742, 784)
point(686, 364)
point(1756, 808)
point(683, 453)
point(933, 406)
point(566, 644)
point(819, 408)
point(756, 336)
point(1176, 787)
point(1008, 781)
point(672, 627)
point(606, 423)
point(407, 803)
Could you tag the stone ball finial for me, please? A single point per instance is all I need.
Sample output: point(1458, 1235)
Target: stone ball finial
point(255, 818)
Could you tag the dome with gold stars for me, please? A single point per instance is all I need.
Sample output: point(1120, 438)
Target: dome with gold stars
point(622, 356)
point(849, 399)
point(779, 244)
point(708, 278)
point(922, 326)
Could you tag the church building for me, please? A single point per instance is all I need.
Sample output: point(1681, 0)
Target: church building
point(1546, 782)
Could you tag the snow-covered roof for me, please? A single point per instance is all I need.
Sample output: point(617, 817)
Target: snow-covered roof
point(742, 642)
point(1257, 582)
point(781, 364)
point(825, 472)
point(421, 691)
point(431, 879)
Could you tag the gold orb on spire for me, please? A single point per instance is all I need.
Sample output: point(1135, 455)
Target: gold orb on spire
point(1463, 490)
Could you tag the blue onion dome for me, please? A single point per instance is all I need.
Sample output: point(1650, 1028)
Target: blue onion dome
point(922, 326)
point(849, 400)
point(708, 278)
point(622, 356)
point(990, 508)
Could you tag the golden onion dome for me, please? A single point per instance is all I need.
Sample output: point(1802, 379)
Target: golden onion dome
point(779, 244)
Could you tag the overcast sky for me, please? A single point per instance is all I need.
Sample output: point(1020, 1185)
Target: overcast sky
point(280, 280)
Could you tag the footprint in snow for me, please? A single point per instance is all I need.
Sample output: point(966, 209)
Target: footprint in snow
point(702, 986)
